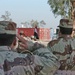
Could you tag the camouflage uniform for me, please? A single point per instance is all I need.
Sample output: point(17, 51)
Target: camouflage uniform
point(42, 63)
point(37, 61)
point(64, 48)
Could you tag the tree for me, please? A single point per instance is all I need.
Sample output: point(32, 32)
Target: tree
point(42, 23)
point(6, 16)
point(65, 8)
point(34, 23)
point(25, 24)
point(38, 24)
point(60, 7)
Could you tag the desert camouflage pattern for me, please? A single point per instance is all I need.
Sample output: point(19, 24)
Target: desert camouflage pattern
point(64, 49)
point(7, 27)
point(66, 23)
point(39, 61)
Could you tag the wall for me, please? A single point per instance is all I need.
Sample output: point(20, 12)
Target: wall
point(44, 33)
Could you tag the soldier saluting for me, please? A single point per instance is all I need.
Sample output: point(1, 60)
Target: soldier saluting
point(35, 60)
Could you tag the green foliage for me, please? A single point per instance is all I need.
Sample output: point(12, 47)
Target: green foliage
point(60, 7)
point(34, 23)
point(6, 16)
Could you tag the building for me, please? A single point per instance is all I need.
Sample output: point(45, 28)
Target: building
point(44, 33)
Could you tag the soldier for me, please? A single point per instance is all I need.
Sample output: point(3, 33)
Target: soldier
point(37, 61)
point(7, 36)
point(64, 46)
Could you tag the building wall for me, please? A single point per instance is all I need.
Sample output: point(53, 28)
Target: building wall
point(44, 33)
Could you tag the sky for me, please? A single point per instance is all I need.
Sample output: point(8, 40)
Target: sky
point(26, 10)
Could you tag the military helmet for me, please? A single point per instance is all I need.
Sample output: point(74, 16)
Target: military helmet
point(66, 23)
point(7, 32)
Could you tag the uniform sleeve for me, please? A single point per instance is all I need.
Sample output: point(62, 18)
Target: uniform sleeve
point(49, 48)
point(32, 46)
point(47, 60)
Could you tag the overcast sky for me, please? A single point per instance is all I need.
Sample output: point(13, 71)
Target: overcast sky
point(26, 10)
